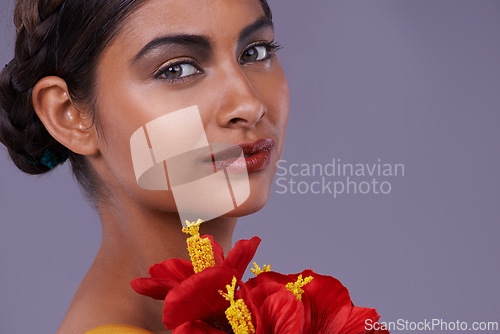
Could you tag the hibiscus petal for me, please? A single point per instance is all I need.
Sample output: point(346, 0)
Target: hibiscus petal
point(165, 276)
point(271, 276)
point(174, 269)
point(240, 256)
point(153, 287)
point(256, 296)
point(267, 283)
point(281, 313)
point(307, 313)
point(198, 298)
point(329, 301)
point(356, 322)
point(196, 327)
point(259, 293)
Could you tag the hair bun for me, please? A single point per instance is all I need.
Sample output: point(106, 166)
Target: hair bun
point(32, 149)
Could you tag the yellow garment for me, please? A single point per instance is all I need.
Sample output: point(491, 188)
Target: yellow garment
point(118, 329)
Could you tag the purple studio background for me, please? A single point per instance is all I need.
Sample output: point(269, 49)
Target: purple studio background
point(407, 82)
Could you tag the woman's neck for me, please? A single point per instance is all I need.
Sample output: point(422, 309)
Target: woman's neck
point(134, 239)
point(145, 237)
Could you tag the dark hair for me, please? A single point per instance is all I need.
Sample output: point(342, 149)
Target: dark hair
point(62, 38)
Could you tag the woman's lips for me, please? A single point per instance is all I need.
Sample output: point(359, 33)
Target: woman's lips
point(257, 156)
point(258, 161)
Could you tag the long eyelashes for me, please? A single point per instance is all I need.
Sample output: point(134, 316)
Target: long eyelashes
point(272, 46)
point(180, 70)
point(176, 70)
point(252, 53)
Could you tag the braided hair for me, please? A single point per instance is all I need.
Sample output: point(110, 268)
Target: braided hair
point(62, 38)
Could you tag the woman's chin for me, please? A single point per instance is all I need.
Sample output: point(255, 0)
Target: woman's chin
point(251, 205)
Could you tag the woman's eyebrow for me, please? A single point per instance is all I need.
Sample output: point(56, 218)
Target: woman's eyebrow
point(197, 41)
point(259, 24)
point(200, 42)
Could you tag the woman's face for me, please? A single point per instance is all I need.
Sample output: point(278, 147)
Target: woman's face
point(172, 54)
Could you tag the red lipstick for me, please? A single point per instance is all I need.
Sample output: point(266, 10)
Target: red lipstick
point(257, 156)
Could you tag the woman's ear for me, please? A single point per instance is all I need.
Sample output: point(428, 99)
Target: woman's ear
point(54, 107)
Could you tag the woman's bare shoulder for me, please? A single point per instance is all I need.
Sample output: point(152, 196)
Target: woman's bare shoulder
point(103, 318)
point(100, 315)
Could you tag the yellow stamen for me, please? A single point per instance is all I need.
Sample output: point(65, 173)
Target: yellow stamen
point(257, 271)
point(237, 313)
point(296, 287)
point(200, 249)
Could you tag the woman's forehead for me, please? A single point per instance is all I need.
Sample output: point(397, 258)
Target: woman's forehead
point(213, 18)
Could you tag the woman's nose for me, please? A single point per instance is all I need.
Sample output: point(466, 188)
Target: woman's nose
point(239, 104)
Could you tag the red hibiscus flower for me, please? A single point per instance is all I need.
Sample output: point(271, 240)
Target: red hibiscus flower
point(274, 303)
point(206, 295)
point(327, 304)
point(169, 274)
point(197, 306)
point(276, 309)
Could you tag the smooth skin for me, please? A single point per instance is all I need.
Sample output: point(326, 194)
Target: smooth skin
point(224, 63)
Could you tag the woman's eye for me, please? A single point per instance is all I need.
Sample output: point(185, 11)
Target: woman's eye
point(178, 71)
point(254, 53)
